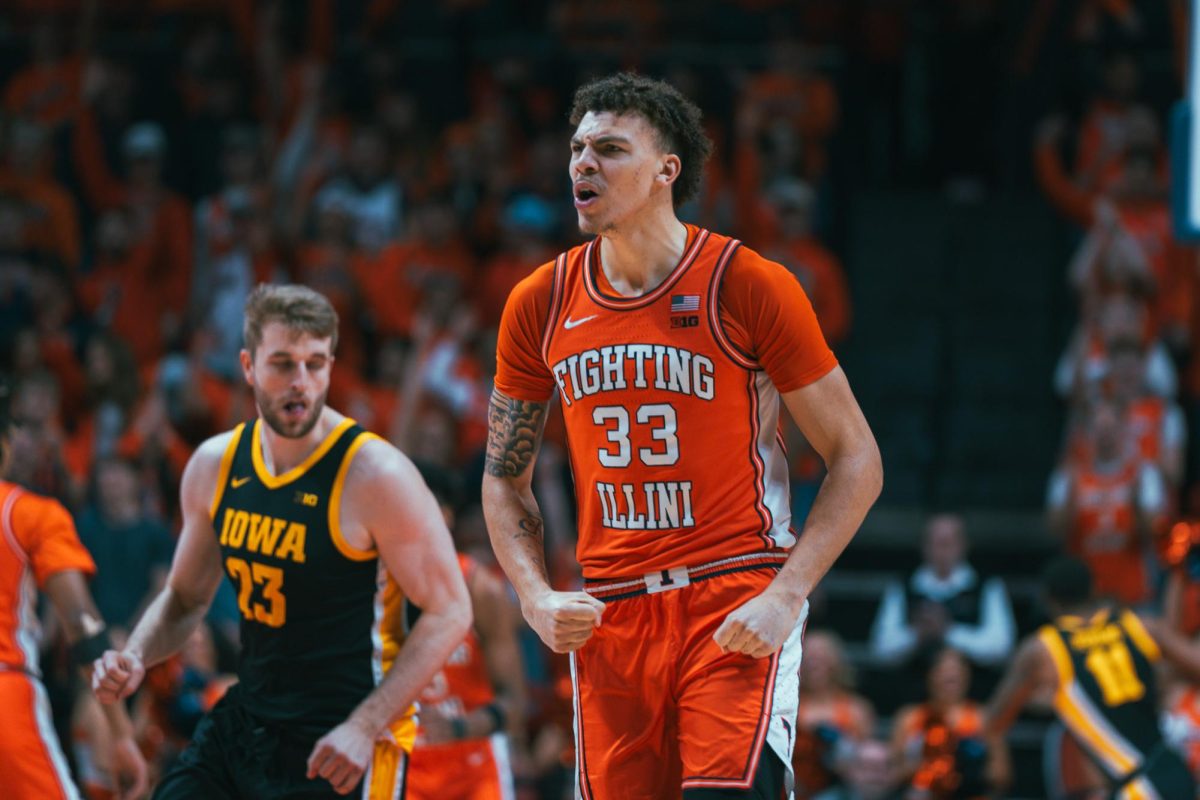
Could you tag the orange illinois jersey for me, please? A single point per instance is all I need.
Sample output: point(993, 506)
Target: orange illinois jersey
point(37, 540)
point(672, 427)
point(1146, 417)
point(462, 684)
point(1104, 532)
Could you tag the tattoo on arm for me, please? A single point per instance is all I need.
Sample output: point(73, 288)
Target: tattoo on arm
point(530, 528)
point(514, 430)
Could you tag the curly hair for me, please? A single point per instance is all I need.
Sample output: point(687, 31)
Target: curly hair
point(675, 118)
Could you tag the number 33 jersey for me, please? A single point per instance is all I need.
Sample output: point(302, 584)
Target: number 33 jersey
point(671, 400)
point(321, 620)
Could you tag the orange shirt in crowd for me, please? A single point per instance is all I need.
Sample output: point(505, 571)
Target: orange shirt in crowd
point(937, 734)
point(47, 93)
point(53, 224)
point(392, 280)
point(821, 275)
point(1104, 532)
point(124, 295)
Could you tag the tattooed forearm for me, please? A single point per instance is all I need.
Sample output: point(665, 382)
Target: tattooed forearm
point(528, 536)
point(514, 428)
point(530, 528)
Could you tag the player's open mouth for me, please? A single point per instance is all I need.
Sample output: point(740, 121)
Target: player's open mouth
point(295, 408)
point(585, 195)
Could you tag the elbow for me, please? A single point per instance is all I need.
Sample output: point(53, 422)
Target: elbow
point(860, 464)
point(871, 469)
point(462, 615)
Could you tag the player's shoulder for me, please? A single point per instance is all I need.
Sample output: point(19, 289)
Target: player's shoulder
point(1036, 646)
point(30, 507)
point(203, 470)
point(536, 284)
point(210, 452)
point(377, 464)
point(748, 263)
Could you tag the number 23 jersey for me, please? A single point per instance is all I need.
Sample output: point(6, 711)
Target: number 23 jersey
point(322, 622)
point(671, 399)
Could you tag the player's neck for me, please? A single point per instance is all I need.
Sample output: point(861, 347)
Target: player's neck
point(639, 257)
point(281, 453)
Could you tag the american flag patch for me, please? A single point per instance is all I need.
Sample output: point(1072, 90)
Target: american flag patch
point(684, 302)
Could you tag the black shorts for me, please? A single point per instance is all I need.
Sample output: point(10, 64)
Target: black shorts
point(234, 755)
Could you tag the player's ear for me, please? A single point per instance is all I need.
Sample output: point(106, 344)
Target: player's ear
point(247, 362)
point(669, 170)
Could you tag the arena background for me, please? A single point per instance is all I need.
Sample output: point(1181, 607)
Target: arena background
point(932, 170)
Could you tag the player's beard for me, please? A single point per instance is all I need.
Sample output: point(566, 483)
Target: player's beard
point(289, 430)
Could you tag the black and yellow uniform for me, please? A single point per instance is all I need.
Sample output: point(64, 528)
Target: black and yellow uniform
point(1108, 699)
point(321, 624)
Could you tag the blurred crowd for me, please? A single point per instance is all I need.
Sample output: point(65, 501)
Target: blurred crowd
point(158, 158)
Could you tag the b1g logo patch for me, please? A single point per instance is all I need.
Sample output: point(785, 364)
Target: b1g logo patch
point(306, 499)
point(682, 306)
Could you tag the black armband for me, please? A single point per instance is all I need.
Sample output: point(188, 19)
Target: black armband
point(499, 718)
point(458, 729)
point(89, 648)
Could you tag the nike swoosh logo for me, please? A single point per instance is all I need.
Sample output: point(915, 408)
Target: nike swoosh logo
point(236, 482)
point(569, 323)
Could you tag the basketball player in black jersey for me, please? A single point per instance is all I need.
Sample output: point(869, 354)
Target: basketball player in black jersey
point(1097, 660)
point(326, 533)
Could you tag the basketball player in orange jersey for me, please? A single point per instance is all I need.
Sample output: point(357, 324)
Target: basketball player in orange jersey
point(478, 697)
point(40, 548)
point(672, 350)
point(328, 534)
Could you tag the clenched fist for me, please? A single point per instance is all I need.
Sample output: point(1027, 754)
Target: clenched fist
point(564, 620)
point(757, 627)
point(116, 675)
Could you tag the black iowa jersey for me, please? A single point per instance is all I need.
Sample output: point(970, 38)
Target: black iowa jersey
point(320, 619)
point(1107, 695)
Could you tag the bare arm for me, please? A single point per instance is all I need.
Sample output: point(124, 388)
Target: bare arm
point(195, 571)
point(830, 419)
point(68, 593)
point(513, 519)
point(195, 575)
point(1018, 685)
point(1176, 648)
point(564, 620)
point(496, 623)
point(1021, 680)
point(392, 507)
point(407, 528)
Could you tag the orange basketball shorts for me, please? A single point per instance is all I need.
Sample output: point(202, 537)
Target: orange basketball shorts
point(658, 707)
point(31, 760)
point(473, 770)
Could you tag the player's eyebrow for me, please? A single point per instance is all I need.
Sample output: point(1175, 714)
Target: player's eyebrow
point(605, 139)
point(285, 354)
